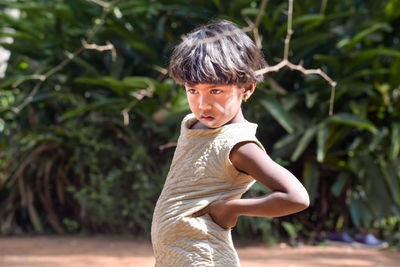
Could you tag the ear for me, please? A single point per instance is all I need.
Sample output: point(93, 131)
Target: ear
point(249, 90)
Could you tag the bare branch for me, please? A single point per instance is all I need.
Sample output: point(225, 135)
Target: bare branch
point(161, 70)
point(125, 115)
point(260, 13)
point(274, 85)
point(332, 100)
point(289, 30)
point(255, 25)
point(103, 4)
point(323, 6)
point(28, 77)
point(29, 98)
point(70, 56)
point(109, 46)
point(286, 63)
point(168, 145)
point(101, 48)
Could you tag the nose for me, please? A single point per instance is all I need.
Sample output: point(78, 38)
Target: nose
point(204, 103)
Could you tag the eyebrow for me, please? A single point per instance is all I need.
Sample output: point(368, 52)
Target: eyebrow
point(211, 87)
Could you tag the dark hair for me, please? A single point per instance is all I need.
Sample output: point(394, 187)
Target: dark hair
point(216, 53)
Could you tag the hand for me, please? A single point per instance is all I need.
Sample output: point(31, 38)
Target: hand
point(220, 212)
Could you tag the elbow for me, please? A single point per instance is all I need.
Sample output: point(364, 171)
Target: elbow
point(305, 201)
point(301, 201)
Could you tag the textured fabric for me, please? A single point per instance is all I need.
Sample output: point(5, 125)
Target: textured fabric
point(200, 172)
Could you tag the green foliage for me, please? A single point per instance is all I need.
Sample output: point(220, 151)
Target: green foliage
point(354, 152)
point(292, 229)
point(390, 230)
point(84, 153)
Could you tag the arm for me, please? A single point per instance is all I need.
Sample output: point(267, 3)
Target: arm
point(288, 194)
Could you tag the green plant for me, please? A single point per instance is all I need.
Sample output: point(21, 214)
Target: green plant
point(86, 105)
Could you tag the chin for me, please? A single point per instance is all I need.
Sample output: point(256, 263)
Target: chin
point(216, 125)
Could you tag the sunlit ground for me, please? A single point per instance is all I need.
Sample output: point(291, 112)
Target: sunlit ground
point(83, 251)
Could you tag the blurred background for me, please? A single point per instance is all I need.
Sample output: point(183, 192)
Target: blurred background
point(89, 116)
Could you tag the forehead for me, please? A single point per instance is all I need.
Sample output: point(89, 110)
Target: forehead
point(206, 86)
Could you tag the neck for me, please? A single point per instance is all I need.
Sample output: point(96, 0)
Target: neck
point(238, 118)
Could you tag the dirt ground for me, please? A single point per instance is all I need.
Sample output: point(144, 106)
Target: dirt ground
point(95, 251)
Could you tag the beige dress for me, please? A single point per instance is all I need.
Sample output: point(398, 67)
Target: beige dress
point(201, 172)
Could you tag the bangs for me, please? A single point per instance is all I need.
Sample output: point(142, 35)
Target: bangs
point(218, 53)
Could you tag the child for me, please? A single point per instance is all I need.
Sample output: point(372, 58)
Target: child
point(217, 156)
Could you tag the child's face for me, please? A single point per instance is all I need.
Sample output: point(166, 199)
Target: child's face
point(215, 105)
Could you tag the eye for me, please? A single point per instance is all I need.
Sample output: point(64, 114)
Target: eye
point(191, 91)
point(216, 91)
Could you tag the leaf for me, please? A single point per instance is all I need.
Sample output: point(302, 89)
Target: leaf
point(7, 82)
point(391, 178)
point(106, 81)
point(343, 14)
point(95, 106)
point(311, 99)
point(139, 82)
point(311, 180)
point(217, 3)
point(309, 18)
point(279, 114)
point(359, 212)
point(311, 42)
point(120, 87)
point(304, 142)
point(363, 73)
point(395, 141)
point(350, 43)
point(340, 183)
point(290, 229)
point(2, 125)
point(332, 60)
point(352, 120)
point(286, 140)
point(377, 139)
point(25, 5)
point(322, 139)
point(368, 53)
point(392, 9)
point(376, 191)
point(143, 48)
point(90, 70)
point(250, 11)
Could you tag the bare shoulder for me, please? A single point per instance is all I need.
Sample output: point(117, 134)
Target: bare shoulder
point(251, 159)
point(246, 155)
point(245, 148)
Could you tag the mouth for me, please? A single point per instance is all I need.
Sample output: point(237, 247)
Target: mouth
point(207, 118)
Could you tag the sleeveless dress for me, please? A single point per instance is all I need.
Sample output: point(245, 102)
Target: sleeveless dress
point(200, 173)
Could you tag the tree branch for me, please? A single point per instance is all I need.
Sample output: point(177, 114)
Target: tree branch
point(286, 63)
point(70, 56)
